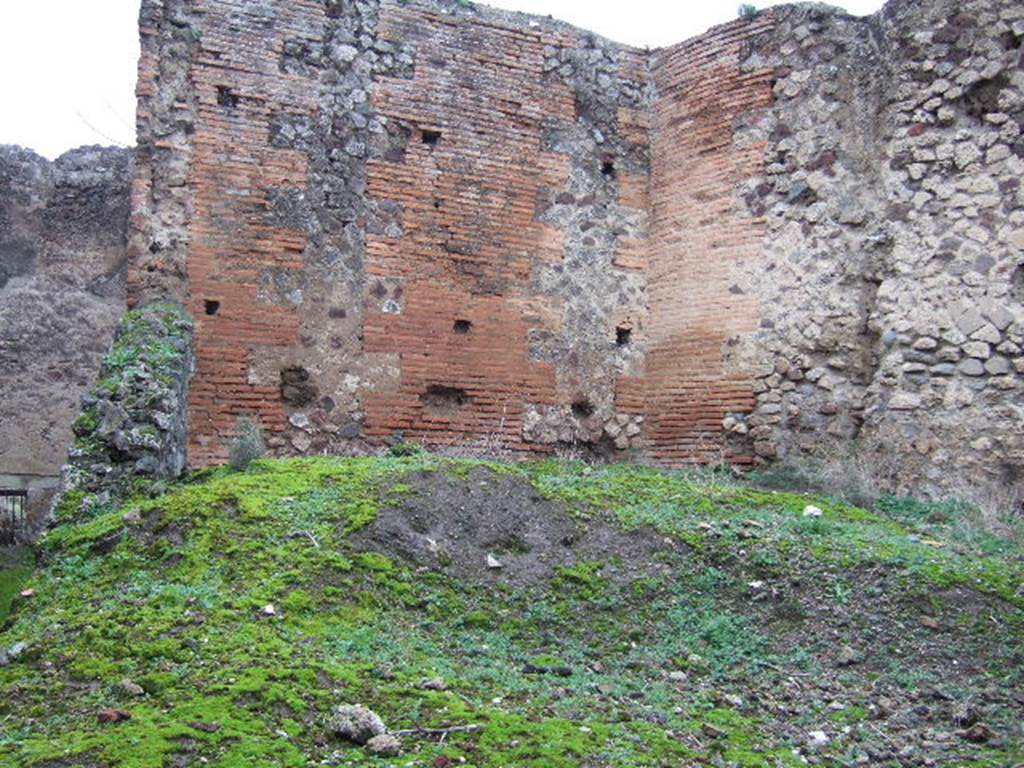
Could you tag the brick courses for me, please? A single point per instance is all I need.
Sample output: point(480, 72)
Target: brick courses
point(483, 160)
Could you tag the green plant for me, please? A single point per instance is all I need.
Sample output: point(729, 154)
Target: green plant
point(747, 11)
point(248, 443)
point(405, 449)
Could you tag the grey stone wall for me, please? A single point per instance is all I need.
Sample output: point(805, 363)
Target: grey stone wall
point(890, 277)
point(62, 274)
point(133, 425)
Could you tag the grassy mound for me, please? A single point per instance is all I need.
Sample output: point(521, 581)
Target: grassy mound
point(222, 622)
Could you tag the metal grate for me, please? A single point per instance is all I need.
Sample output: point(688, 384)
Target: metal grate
point(12, 515)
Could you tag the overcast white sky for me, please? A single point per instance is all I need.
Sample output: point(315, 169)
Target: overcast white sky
point(69, 65)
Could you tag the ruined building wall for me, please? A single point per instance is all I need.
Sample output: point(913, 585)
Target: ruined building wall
point(63, 227)
point(394, 221)
point(890, 273)
point(437, 222)
point(697, 237)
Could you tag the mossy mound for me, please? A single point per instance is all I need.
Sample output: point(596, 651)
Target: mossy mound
point(222, 622)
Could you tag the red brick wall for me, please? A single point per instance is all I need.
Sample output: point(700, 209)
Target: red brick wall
point(466, 242)
point(470, 240)
point(239, 86)
point(696, 239)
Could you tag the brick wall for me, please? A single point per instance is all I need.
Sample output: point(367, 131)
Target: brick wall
point(468, 184)
point(697, 237)
point(432, 218)
point(446, 224)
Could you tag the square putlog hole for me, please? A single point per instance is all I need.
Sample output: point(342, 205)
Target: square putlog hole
point(226, 97)
point(623, 335)
point(462, 327)
point(430, 137)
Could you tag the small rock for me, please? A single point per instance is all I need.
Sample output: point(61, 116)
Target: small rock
point(905, 401)
point(26, 593)
point(930, 622)
point(384, 744)
point(972, 368)
point(817, 739)
point(494, 563)
point(434, 684)
point(695, 660)
point(356, 723)
point(12, 654)
point(678, 676)
point(712, 731)
point(131, 517)
point(269, 610)
point(847, 657)
point(966, 715)
point(812, 511)
point(113, 715)
point(205, 727)
point(131, 688)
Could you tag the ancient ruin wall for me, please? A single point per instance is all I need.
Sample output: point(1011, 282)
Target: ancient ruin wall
point(890, 272)
point(450, 224)
point(62, 274)
point(397, 221)
point(697, 237)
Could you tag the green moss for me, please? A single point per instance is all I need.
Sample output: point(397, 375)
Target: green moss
point(174, 598)
point(584, 578)
point(12, 581)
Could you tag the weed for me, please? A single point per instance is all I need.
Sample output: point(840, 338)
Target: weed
point(248, 444)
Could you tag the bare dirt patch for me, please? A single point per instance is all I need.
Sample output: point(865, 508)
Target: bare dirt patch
point(495, 528)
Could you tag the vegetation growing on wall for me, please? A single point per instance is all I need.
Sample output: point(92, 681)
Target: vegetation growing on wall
point(133, 421)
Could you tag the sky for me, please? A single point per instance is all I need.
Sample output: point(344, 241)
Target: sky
point(69, 65)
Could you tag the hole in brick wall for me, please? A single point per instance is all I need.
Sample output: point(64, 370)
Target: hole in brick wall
point(441, 399)
point(296, 387)
point(226, 97)
point(430, 137)
point(623, 335)
point(582, 408)
point(211, 306)
point(608, 169)
point(337, 313)
point(462, 327)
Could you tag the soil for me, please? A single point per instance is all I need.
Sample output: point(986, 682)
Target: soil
point(454, 523)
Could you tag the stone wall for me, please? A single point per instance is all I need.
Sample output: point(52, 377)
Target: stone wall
point(890, 273)
point(62, 276)
point(133, 422)
point(431, 221)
